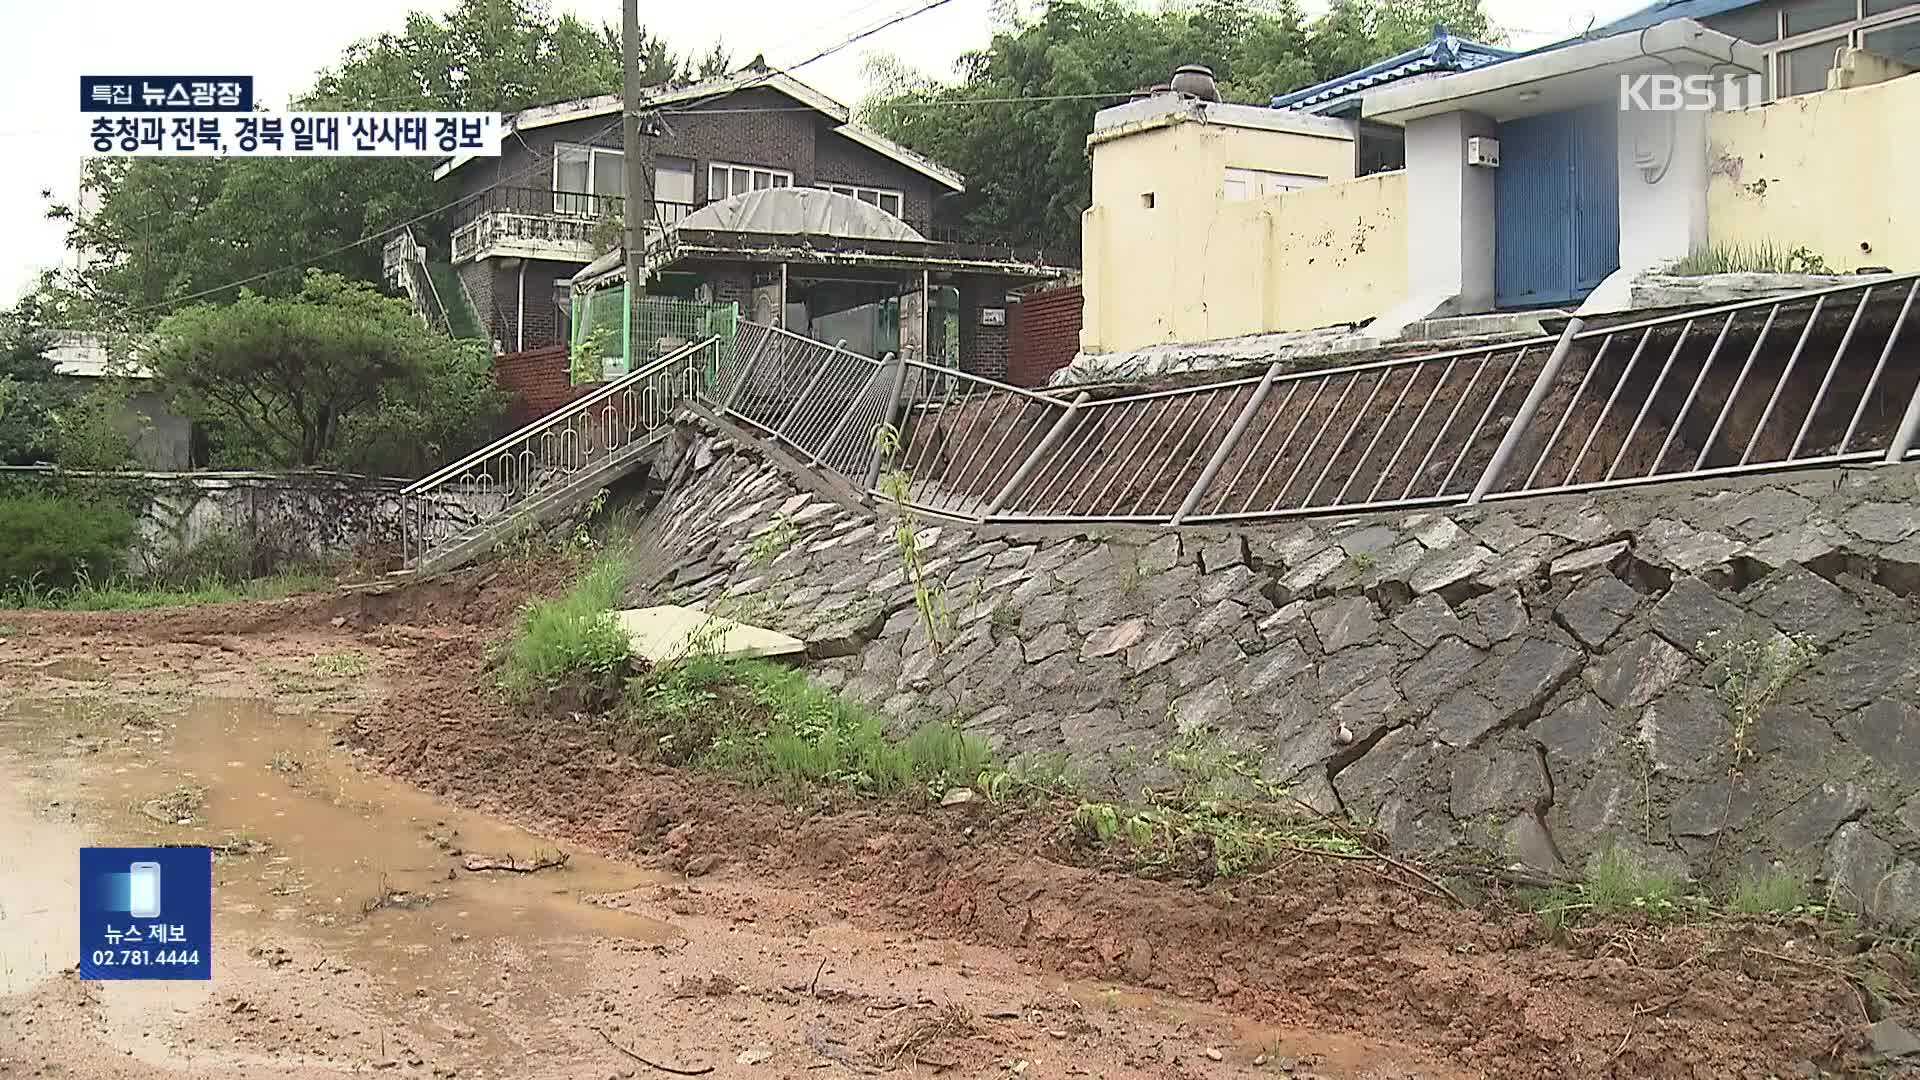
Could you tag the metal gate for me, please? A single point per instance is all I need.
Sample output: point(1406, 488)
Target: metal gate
point(1556, 207)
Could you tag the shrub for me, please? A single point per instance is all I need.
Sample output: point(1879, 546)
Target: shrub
point(56, 543)
point(224, 555)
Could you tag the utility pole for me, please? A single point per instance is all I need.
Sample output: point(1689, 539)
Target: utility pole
point(630, 142)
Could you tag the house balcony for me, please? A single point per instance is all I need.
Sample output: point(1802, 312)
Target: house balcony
point(569, 226)
point(540, 223)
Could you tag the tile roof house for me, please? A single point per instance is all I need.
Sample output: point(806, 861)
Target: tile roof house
point(718, 153)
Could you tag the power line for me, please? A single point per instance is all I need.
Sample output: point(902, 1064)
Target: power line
point(938, 104)
point(764, 76)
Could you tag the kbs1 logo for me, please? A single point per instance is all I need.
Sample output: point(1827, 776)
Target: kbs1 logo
point(1650, 92)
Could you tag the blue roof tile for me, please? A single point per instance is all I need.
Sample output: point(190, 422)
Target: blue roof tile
point(1444, 52)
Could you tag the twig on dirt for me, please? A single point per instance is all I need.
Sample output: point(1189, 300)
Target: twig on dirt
point(813, 985)
point(701, 1071)
point(1632, 1027)
point(1384, 876)
point(207, 642)
point(1376, 853)
point(510, 864)
point(1633, 1024)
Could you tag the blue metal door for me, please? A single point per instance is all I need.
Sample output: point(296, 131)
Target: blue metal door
point(1556, 208)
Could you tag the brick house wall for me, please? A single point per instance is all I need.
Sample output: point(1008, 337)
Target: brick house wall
point(983, 349)
point(536, 382)
point(478, 278)
point(546, 325)
point(1043, 334)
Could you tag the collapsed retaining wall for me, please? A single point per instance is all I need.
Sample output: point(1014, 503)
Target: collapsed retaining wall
point(1541, 680)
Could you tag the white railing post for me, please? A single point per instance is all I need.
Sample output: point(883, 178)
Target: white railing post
point(1524, 418)
point(1047, 443)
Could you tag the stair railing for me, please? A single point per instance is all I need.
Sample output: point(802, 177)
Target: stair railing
point(565, 447)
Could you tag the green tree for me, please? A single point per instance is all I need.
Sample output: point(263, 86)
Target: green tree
point(30, 393)
point(1025, 160)
point(281, 381)
point(170, 228)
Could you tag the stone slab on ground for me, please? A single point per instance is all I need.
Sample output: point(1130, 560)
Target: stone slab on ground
point(668, 632)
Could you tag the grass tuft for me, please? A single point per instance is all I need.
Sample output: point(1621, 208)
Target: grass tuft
point(1774, 894)
point(770, 725)
point(575, 634)
point(129, 596)
point(1764, 257)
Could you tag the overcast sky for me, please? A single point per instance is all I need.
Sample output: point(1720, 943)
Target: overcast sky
point(53, 45)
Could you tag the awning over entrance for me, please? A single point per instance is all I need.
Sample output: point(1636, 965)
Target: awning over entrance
point(1566, 76)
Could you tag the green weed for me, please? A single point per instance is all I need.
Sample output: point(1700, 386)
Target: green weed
point(1750, 673)
point(769, 725)
point(342, 664)
point(575, 634)
point(1764, 257)
point(1772, 895)
point(930, 601)
point(121, 595)
point(772, 543)
point(1617, 885)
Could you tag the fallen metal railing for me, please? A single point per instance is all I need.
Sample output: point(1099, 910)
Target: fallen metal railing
point(1708, 396)
point(1695, 394)
point(569, 446)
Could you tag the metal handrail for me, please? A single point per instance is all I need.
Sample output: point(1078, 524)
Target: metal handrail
point(1382, 434)
point(1864, 281)
point(557, 418)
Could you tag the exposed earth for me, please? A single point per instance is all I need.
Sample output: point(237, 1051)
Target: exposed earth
point(415, 878)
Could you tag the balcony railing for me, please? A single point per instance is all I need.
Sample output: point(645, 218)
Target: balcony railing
point(579, 223)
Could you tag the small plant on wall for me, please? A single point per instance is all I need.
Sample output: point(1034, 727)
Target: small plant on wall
point(930, 601)
point(587, 361)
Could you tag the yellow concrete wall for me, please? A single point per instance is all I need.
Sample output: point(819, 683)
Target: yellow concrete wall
point(1198, 269)
point(1186, 161)
point(1829, 171)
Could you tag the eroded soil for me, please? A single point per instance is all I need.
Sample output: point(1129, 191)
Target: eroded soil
point(349, 757)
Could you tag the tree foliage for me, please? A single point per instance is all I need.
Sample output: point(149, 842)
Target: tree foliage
point(1025, 160)
point(170, 228)
point(334, 369)
point(30, 394)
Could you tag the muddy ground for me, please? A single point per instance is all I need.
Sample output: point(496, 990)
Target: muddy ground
point(350, 758)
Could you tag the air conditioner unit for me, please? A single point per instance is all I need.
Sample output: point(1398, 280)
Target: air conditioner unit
point(1484, 151)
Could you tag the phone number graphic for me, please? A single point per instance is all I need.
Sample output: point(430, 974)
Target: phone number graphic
point(144, 957)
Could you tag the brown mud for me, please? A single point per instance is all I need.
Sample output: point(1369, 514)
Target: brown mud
point(350, 757)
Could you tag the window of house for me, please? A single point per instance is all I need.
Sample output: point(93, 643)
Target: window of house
point(1809, 33)
point(1900, 41)
point(1804, 70)
point(1243, 184)
point(1809, 15)
point(883, 198)
point(1757, 25)
point(587, 179)
point(672, 189)
point(725, 180)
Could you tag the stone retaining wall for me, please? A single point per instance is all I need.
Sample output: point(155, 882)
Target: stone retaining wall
point(1540, 680)
point(285, 516)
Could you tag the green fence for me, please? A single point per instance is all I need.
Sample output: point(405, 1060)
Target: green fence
point(612, 336)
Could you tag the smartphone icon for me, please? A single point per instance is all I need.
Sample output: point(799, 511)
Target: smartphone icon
point(143, 893)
